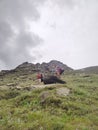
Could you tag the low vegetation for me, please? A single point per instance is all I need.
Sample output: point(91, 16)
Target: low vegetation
point(44, 109)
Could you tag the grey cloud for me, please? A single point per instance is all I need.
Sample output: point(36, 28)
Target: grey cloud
point(71, 4)
point(15, 11)
point(65, 3)
point(5, 32)
point(15, 40)
point(13, 55)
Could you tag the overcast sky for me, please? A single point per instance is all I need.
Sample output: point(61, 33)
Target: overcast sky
point(43, 30)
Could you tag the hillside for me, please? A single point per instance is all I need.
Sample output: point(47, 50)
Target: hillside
point(26, 104)
point(89, 70)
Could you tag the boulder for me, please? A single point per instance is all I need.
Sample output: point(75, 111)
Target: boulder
point(52, 79)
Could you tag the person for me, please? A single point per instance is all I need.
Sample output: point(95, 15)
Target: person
point(39, 77)
point(59, 71)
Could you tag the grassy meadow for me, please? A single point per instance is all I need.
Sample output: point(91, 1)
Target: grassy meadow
point(44, 109)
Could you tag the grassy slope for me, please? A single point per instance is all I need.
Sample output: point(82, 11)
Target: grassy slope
point(23, 110)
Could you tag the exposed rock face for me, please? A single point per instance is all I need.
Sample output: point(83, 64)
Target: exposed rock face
point(26, 67)
point(52, 64)
point(44, 67)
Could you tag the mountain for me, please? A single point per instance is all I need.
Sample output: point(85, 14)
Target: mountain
point(29, 68)
point(89, 70)
point(44, 67)
point(55, 63)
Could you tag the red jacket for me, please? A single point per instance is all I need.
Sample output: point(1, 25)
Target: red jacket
point(39, 76)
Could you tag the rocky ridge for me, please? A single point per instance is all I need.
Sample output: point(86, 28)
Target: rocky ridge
point(44, 67)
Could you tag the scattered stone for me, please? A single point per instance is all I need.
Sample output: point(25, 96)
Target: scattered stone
point(11, 84)
point(43, 96)
point(63, 91)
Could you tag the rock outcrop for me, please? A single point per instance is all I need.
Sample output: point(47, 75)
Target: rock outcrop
point(52, 79)
point(27, 68)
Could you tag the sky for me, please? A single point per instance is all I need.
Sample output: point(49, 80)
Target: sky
point(44, 30)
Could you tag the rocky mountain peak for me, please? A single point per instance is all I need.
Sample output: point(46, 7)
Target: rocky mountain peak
point(27, 67)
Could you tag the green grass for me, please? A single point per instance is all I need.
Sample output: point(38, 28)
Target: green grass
point(26, 110)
